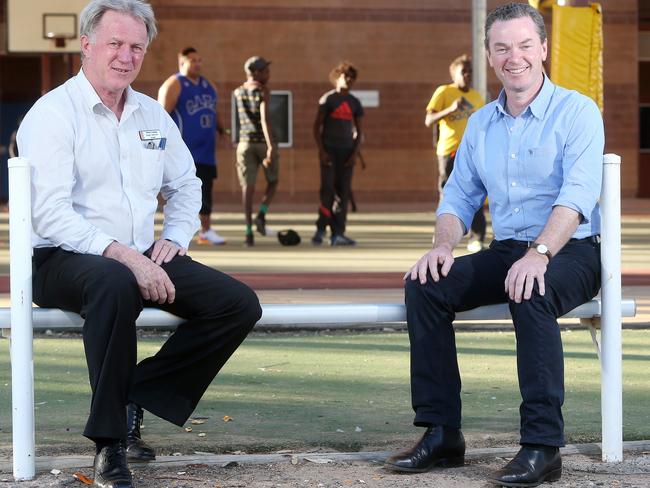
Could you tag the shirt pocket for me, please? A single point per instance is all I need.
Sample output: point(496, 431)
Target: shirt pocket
point(543, 167)
point(148, 172)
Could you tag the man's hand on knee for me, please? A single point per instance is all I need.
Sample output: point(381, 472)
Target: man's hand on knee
point(153, 281)
point(521, 277)
point(438, 261)
point(163, 251)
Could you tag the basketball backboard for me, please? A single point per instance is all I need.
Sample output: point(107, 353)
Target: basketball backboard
point(43, 26)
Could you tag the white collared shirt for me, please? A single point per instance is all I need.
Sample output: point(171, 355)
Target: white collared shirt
point(95, 179)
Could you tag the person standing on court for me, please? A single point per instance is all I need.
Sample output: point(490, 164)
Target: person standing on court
point(191, 100)
point(338, 135)
point(257, 146)
point(537, 152)
point(450, 108)
point(100, 154)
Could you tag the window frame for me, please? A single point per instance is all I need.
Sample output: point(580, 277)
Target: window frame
point(289, 124)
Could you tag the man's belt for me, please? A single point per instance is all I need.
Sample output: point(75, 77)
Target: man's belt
point(515, 243)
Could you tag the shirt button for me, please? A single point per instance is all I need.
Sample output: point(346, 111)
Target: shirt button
point(512, 156)
point(517, 210)
point(514, 183)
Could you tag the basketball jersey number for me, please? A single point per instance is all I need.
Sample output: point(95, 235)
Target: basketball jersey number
point(206, 121)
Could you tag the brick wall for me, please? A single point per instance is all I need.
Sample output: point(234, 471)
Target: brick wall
point(620, 70)
point(402, 49)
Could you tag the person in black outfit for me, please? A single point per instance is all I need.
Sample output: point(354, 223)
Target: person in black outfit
point(338, 135)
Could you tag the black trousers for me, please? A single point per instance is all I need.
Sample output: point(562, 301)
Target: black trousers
point(479, 224)
point(219, 313)
point(335, 181)
point(572, 278)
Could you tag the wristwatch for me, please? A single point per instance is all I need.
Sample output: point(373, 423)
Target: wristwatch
point(542, 249)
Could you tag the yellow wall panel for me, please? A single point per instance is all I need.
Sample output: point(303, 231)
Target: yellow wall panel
point(577, 50)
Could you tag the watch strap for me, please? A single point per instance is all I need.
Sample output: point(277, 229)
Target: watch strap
point(548, 254)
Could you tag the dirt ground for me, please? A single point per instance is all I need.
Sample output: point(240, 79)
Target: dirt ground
point(579, 472)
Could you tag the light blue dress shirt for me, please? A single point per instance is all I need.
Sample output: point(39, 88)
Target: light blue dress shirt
point(551, 154)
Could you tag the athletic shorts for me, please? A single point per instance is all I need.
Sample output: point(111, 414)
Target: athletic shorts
point(207, 173)
point(249, 158)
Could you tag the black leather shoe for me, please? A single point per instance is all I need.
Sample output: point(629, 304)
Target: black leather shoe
point(111, 470)
point(136, 448)
point(531, 467)
point(440, 446)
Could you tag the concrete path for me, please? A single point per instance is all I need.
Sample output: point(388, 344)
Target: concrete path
point(388, 242)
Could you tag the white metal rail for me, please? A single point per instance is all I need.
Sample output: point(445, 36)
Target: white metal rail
point(305, 315)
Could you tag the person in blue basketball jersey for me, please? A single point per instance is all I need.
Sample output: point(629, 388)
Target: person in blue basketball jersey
point(191, 100)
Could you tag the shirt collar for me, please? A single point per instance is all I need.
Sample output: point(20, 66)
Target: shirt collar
point(500, 106)
point(87, 91)
point(537, 107)
point(92, 99)
point(543, 99)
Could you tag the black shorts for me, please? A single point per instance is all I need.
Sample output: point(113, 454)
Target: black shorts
point(207, 173)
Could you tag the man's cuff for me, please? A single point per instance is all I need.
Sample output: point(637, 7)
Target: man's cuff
point(100, 243)
point(177, 237)
point(585, 215)
point(465, 222)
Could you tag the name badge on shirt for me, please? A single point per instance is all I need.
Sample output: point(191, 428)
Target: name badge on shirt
point(149, 135)
point(152, 139)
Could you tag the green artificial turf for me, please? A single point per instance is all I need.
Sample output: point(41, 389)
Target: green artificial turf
point(336, 391)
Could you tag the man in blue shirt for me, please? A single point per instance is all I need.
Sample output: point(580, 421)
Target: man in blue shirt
point(537, 153)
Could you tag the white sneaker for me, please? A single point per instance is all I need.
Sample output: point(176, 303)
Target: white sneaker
point(211, 237)
point(474, 246)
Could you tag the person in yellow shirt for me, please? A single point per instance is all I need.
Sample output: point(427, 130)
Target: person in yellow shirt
point(450, 107)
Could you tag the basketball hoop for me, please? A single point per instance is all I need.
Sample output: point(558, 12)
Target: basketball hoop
point(59, 28)
point(40, 27)
point(59, 39)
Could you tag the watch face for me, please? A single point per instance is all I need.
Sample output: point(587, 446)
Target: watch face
point(542, 249)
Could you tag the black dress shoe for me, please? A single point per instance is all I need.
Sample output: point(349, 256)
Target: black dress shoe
point(531, 467)
point(111, 470)
point(136, 448)
point(440, 446)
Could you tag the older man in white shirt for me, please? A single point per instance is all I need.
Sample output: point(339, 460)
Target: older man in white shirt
point(101, 152)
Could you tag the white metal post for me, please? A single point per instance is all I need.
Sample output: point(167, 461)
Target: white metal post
point(22, 363)
point(479, 61)
point(611, 350)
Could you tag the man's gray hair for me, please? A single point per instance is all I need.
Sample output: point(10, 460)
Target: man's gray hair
point(92, 14)
point(511, 11)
